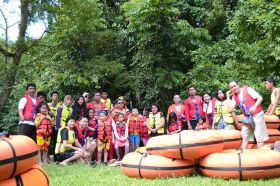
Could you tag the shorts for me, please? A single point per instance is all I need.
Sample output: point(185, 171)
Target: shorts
point(43, 143)
point(260, 131)
point(134, 139)
point(103, 144)
point(65, 155)
point(28, 130)
point(223, 125)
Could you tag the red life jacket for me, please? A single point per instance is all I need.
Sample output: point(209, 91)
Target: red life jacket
point(82, 134)
point(93, 124)
point(121, 129)
point(173, 127)
point(248, 102)
point(45, 127)
point(134, 125)
point(104, 130)
point(144, 131)
point(190, 107)
point(30, 109)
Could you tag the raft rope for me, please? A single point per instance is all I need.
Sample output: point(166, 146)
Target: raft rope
point(240, 169)
point(19, 181)
point(139, 166)
point(14, 159)
point(181, 147)
point(48, 181)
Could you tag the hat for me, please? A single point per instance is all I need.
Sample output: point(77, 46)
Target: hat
point(85, 94)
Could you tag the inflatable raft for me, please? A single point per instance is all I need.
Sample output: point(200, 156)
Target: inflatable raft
point(35, 176)
point(232, 138)
point(153, 166)
point(17, 155)
point(249, 164)
point(274, 135)
point(186, 145)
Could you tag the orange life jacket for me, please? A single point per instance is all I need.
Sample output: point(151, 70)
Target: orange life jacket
point(120, 129)
point(173, 127)
point(134, 124)
point(45, 127)
point(104, 130)
point(144, 131)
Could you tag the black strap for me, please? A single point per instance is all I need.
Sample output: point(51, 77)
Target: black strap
point(47, 178)
point(139, 166)
point(14, 158)
point(181, 147)
point(240, 166)
point(146, 167)
point(19, 181)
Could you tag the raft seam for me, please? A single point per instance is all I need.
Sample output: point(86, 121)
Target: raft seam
point(158, 168)
point(14, 158)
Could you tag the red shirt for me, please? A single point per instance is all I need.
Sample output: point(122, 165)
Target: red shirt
point(190, 107)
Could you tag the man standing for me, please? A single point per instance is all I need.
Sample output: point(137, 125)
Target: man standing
point(249, 102)
point(274, 107)
point(193, 108)
point(96, 105)
point(27, 109)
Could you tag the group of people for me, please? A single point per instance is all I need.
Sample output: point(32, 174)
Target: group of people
point(99, 130)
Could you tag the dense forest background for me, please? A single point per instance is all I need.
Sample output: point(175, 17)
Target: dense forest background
point(148, 49)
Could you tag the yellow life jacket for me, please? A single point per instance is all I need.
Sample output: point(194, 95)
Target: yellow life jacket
point(66, 112)
point(222, 110)
point(108, 102)
point(54, 109)
point(155, 121)
point(59, 148)
point(273, 98)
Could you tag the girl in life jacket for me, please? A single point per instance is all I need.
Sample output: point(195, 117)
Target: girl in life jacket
point(201, 123)
point(155, 122)
point(92, 124)
point(173, 125)
point(44, 124)
point(120, 129)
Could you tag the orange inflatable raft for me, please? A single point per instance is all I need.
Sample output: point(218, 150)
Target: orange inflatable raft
point(186, 145)
point(35, 176)
point(153, 166)
point(266, 146)
point(272, 121)
point(17, 155)
point(274, 135)
point(232, 138)
point(250, 164)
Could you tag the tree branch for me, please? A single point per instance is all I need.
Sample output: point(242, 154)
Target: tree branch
point(6, 53)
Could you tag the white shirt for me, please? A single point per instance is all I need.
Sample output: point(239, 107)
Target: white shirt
point(252, 92)
point(21, 105)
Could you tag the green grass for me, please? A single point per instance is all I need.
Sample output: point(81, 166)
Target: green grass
point(84, 175)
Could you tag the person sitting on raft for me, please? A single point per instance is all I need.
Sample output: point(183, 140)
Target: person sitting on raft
point(105, 135)
point(179, 109)
point(274, 107)
point(120, 129)
point(68, 148)
point(44, 124)
point(173, 125)
point(155, 121)
point(201, 123)
point(134, 122)
point(223, 118)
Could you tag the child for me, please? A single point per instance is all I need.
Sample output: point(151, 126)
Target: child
point(92, 124)
point(106, 100)
point(43, 122)
point(105, 134)
point(144, 131)
point(200, 124)
point(134, 122)
point(121, 135)
point(173, 125)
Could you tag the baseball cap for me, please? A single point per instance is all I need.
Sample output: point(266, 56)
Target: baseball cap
point(85, 94)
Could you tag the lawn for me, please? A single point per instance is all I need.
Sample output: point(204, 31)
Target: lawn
point(83, 175)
